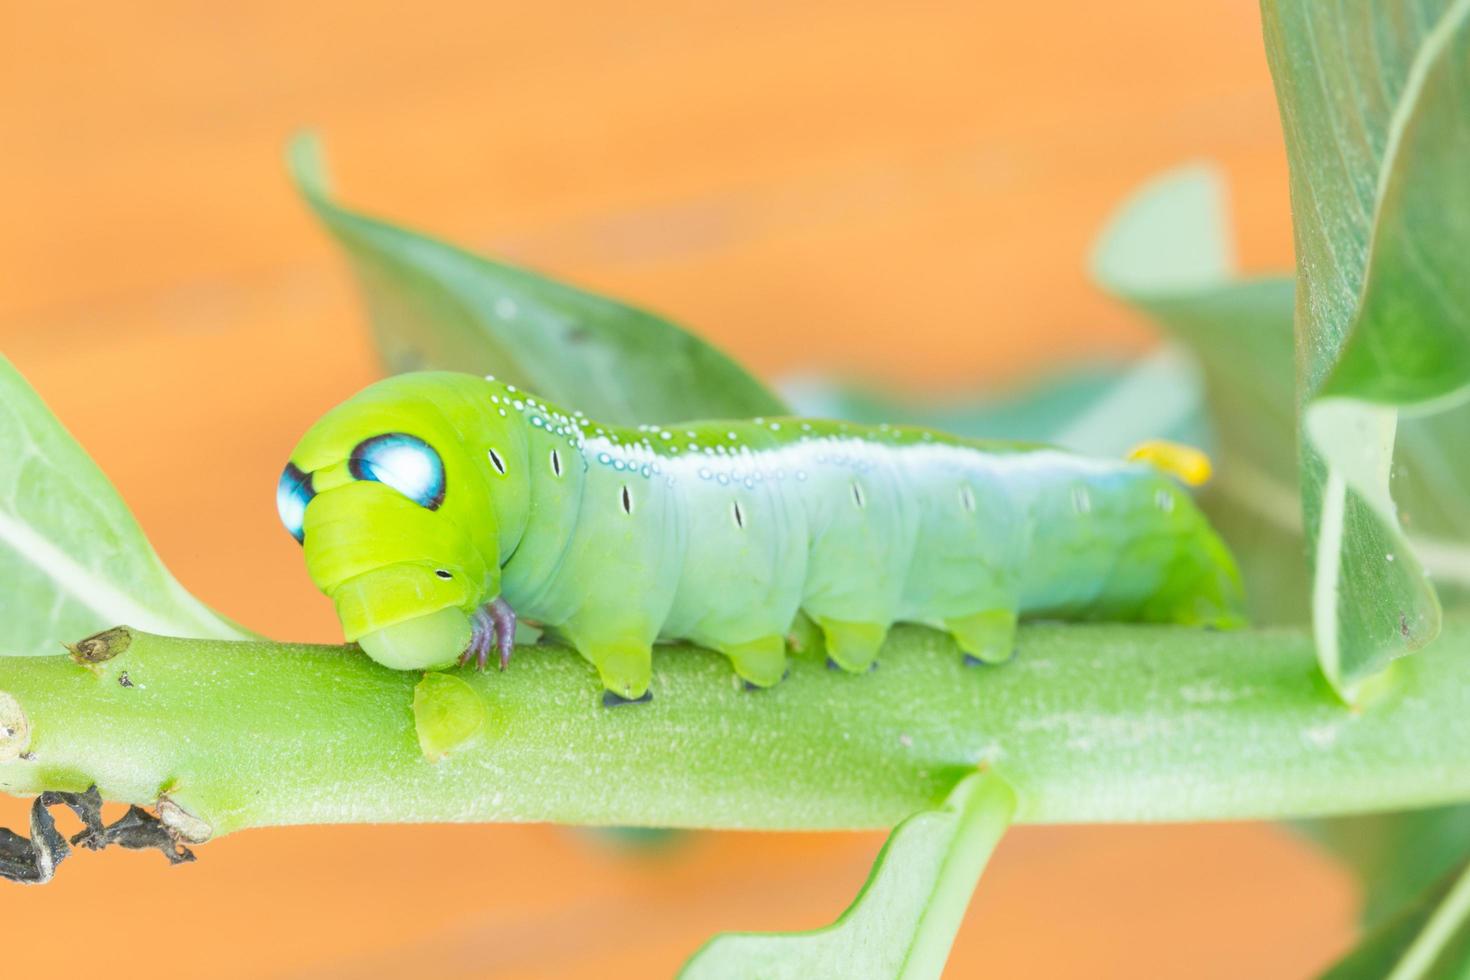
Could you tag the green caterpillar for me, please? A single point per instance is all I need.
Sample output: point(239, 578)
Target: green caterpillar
point(436, 507)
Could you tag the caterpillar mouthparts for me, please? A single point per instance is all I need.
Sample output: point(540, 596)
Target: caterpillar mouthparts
point(424, 642)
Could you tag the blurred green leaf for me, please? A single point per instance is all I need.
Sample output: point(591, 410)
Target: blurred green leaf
point(1378, 131)
point(434, 306)
point(904, 920)
point(1429, 940)
point(72, 558)
point(1103, 410)
point(1168, 252)
point(1396, 855)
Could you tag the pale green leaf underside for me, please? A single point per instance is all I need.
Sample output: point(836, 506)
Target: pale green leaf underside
point(904, 920)
point(1377, 124)
point(434, 306)
point(72, 558)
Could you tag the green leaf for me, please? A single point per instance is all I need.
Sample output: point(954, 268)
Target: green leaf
point(904, 920)
point(1168, 252)
point(72, 558)
point(1428, 940)
point(1377, 130)
point(434, 306)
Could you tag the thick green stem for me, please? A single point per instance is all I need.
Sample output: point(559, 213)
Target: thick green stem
point(1088, 723)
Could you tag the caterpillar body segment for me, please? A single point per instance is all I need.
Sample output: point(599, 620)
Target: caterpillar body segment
point(430, 496)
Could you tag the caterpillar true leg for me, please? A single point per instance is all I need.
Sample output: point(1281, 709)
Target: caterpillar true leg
point(497, 620)
point(989, 636)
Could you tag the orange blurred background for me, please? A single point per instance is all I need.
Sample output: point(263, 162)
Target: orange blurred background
point(896, 191)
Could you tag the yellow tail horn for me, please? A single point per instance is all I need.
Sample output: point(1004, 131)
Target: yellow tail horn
point(1188, 464)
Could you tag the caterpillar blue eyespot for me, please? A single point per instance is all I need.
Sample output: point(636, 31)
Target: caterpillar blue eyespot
point(293, 493)
point(404, 462)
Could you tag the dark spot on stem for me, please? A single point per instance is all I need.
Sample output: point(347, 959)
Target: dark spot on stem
point(101, 647)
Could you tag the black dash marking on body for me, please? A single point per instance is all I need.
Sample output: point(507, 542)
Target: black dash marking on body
point(497, 462)
point(443, 573)
point(739, 517)
point(556, 462)
point(627, 501)
point(967, 498)
point(611, 699)
point(857, 494)
point(973, 661)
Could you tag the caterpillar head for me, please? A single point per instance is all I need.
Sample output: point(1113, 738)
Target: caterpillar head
point(382, 494)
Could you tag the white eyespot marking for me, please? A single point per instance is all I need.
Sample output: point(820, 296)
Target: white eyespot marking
point(556, 462)
point(967, 498)
point(403, 462)
point(1081, 502)
point(497, 462)
point(739, 517)
point(857, 495)
point(627, 501)
point(505, 308)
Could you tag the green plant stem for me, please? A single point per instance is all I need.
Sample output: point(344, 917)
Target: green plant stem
point(1088, 723)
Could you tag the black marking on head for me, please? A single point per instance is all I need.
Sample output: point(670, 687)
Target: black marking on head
point(739, 517)
point(627, 500)
point(443, 573)
point(614, 700)
point(497, 462)
point(857, 494)
point(556, 462)
point(967, 498)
